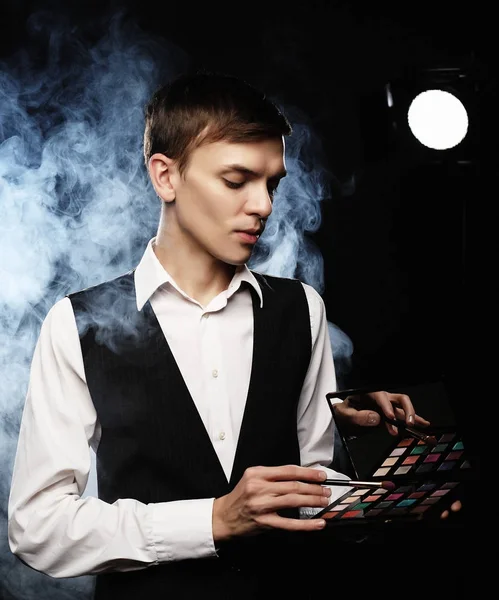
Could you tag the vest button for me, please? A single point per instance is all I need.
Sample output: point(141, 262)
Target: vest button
point(221, 435)
point(214, 373)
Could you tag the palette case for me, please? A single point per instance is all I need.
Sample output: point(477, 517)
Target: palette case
point(427, 476)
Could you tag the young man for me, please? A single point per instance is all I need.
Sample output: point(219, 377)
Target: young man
point(199, 383)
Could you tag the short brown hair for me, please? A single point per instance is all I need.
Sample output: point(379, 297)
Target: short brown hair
point(207, 107)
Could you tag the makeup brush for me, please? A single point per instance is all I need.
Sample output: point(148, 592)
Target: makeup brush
point(387, 485)
point(429, 440)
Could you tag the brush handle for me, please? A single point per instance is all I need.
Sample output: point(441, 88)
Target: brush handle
point(353, 483)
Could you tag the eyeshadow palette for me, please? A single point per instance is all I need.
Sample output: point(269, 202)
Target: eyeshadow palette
point(421, 473)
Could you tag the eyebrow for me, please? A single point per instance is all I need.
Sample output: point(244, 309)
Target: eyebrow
point(245, 171)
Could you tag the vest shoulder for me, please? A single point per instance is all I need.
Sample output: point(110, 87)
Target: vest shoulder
point(124, 281)
point(276, 280)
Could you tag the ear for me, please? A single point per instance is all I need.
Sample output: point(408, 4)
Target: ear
point(162, 171)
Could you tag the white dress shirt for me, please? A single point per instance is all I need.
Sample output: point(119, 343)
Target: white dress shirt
point(58, 530)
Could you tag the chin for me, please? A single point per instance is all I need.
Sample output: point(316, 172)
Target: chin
point(234, 256)
point(236, 261)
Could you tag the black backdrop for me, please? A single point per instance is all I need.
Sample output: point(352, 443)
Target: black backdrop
point(406, 277)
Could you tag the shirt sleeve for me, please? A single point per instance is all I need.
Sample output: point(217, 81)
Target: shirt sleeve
point(316, 430)
point(315, 421)
point(52, 527)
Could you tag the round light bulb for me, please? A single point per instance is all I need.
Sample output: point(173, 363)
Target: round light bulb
point(438, 119)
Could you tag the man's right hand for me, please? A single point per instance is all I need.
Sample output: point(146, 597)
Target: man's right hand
point(253, 504)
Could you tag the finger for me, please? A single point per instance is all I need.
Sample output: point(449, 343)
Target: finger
point(388, 403)
point(268, 503)
point(366, 418)
point(275, 521)
point(345, 410)
point(454, 507)
point(282, 488)
point(392, 429)
point(404, 403)
point(382, 399)
point(421, 421)
point(418, 420)
point(357, 417)
point(286, 473)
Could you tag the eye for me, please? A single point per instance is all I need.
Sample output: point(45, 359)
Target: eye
point(272, 189)
point(233, 185)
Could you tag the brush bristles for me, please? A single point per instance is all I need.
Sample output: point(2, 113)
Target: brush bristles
point(387, 485)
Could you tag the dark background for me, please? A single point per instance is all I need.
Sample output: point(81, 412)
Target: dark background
point(399, 261)
point(404, 235)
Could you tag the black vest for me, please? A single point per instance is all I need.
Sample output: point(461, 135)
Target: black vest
point(154, 446)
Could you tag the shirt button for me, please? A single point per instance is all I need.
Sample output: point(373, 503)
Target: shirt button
point(206, 315)
point(221, 435)
point(214, 373)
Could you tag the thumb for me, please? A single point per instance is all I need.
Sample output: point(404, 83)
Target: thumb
point(367, 418)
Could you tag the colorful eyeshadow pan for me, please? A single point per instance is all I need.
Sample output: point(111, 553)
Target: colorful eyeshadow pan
point(402, 470)
point(439, 448)
point(447, 465)
point(405, 442)
point(419, 509)
point(351, 514)
point(397, 452)
point(432, 458)
point(425, 468)
point(352, 499)
point(427, 487)
point(406, 502)
point(440, 493)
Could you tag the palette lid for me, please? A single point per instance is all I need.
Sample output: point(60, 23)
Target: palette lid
point(372, 453)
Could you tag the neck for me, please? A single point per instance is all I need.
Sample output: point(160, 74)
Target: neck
point(199, 275)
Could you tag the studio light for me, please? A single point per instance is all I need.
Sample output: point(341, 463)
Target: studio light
point(425, 115)
point(438, 119)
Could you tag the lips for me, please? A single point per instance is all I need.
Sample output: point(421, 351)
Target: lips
point(255, 231)
point(247, 237)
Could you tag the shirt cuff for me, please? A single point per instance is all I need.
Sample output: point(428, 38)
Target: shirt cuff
point(182, 529)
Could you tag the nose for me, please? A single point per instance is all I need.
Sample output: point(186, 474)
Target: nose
point(259, 202)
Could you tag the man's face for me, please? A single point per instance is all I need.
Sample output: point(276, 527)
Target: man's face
point(223, 195)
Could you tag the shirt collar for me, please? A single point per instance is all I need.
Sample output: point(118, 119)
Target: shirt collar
point(151, 275)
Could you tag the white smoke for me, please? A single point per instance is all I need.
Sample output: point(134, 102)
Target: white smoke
point(76, 207)
point(286, 248)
